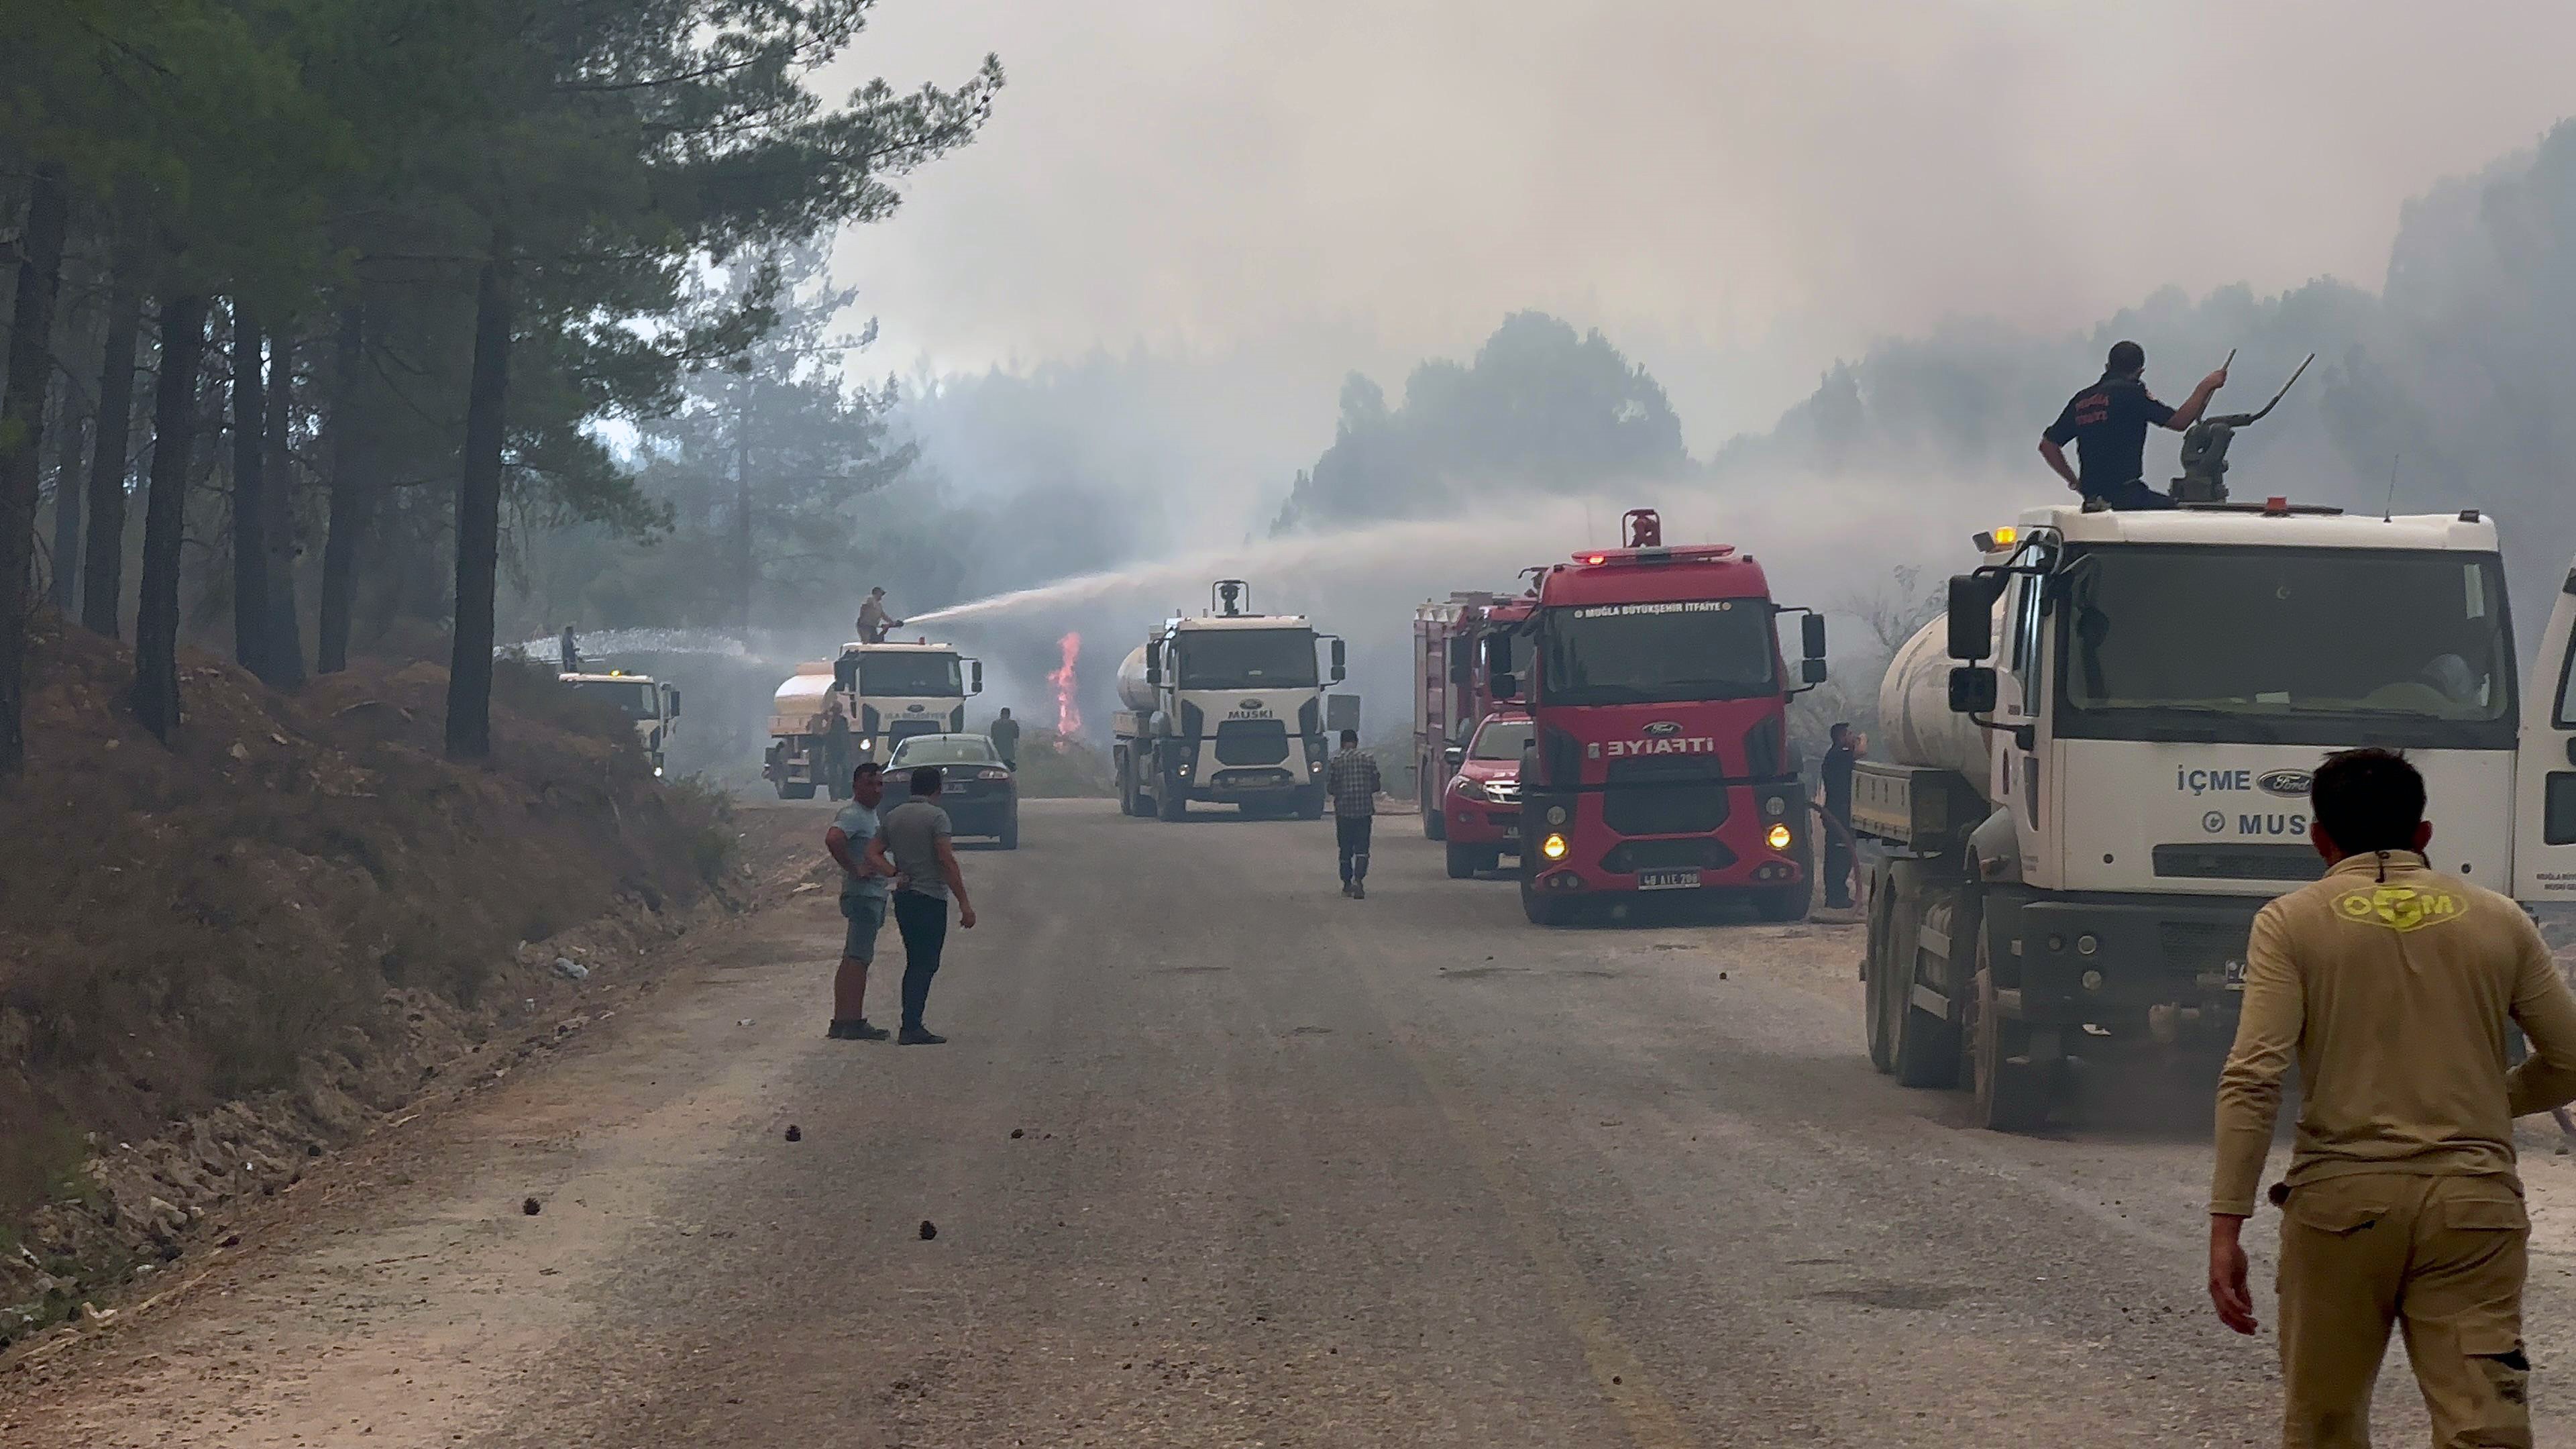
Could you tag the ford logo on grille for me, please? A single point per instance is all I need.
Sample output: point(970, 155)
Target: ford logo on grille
point(1249, 704)
point(2286, 782)
point(1664, 727)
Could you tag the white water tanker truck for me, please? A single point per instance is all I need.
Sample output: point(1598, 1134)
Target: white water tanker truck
point(1225, 708)
point(888, 693)
point(2097, 770)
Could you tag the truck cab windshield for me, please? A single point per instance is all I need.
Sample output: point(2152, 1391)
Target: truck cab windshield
point(1247, 659)
point(1657, 653)
point(910, 675)
point(634, 699)
point(2287, 646)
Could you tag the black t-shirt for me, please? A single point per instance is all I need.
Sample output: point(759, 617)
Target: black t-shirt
point(1837, 771)
point(2108, 424)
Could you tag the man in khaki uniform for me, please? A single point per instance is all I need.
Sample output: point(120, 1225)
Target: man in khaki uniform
point(2391, 985)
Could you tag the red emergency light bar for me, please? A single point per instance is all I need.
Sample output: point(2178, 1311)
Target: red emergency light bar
point(1684, 553)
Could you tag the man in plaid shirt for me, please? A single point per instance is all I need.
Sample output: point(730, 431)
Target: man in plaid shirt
point(1351, 779)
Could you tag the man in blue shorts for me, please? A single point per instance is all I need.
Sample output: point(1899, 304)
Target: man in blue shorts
point(864, 887)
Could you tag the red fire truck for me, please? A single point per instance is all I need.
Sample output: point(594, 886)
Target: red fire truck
point(1660, 761)
point(1450, 691)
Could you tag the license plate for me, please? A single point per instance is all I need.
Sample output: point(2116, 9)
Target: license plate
point(1668, 880)
point(2235, 975)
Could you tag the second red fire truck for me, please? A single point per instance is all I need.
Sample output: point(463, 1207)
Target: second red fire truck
point(1660, 757)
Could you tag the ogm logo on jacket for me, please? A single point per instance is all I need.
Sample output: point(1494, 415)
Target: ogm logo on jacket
point(2398, 907)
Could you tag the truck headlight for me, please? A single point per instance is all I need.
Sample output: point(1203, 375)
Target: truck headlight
point(1553, 847)
point(1775, 807)
point(1556, 815)
point(1778, 839)
point(1472, 789)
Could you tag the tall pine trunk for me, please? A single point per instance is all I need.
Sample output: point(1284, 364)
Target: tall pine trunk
point(103, 565)
point(250, 503)
point(22, 436)
point(478, 512)
point(283, 643)
point(746, 571)
point(65, 584)
point(352, 496)
point(174, 439)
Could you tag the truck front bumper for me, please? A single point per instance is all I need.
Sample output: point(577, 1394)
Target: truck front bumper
point(1597, 860)
point(2123, 965)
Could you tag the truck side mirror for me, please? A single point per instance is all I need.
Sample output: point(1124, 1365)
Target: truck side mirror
point(976, 685)
point(1812, 634)
point(1811, 670)
point(1972, 689)
point(1340, 671)
point(1506, 685)
point(1971, 615)
point(675, 700)
point(1154, 662)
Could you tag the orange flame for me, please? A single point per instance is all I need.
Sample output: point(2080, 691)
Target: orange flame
point(1068, 715)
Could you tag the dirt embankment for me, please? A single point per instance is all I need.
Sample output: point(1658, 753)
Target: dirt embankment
point(223, 957)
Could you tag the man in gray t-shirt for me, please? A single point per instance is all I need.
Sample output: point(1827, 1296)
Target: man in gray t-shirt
point(864, 886)
point(912, 842)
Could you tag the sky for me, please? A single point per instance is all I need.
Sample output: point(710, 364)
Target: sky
point(1736, 192)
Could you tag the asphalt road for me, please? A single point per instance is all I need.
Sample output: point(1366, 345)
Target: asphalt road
point(1217, 1157)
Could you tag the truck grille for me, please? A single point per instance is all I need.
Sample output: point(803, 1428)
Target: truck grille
point(1662, 797)
point(904, 729)
point(1251, 742)
point(2239, 862)
point(1630, 856)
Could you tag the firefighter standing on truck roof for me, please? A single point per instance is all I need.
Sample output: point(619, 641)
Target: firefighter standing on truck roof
point(874, 621)
point(2391, 986)
point(2108, 422)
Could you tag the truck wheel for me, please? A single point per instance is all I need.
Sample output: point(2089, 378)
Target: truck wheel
point(1464, 860)
point(1541, 909)
point(1927, 1046)
point(2011, 1095)
point(795, 792)
point(1169, 802)
point(1784, 903)
point(1310, 803)
point(1435, 824)
point(1877, 990)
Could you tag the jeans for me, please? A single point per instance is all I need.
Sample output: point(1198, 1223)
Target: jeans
point(923, 922)
point(1838, 868)
point(1351, 833)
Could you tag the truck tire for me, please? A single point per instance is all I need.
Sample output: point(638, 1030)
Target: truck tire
point(1784, 903)
point(1126, 786)
point(1877, 988)
point(795, 792)
point(1541, 909)
point(1464, 861)
point(1435, 823)
point(1310, 803)
point(2011, 1095)
point(1927, 1046)
point(1169, 802)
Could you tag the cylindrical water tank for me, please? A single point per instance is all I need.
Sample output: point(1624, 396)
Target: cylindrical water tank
point(803, 693)
point(1133, 692)
point(1914, 714)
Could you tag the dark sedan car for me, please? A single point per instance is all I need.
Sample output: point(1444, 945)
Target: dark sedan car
point(975, 787)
